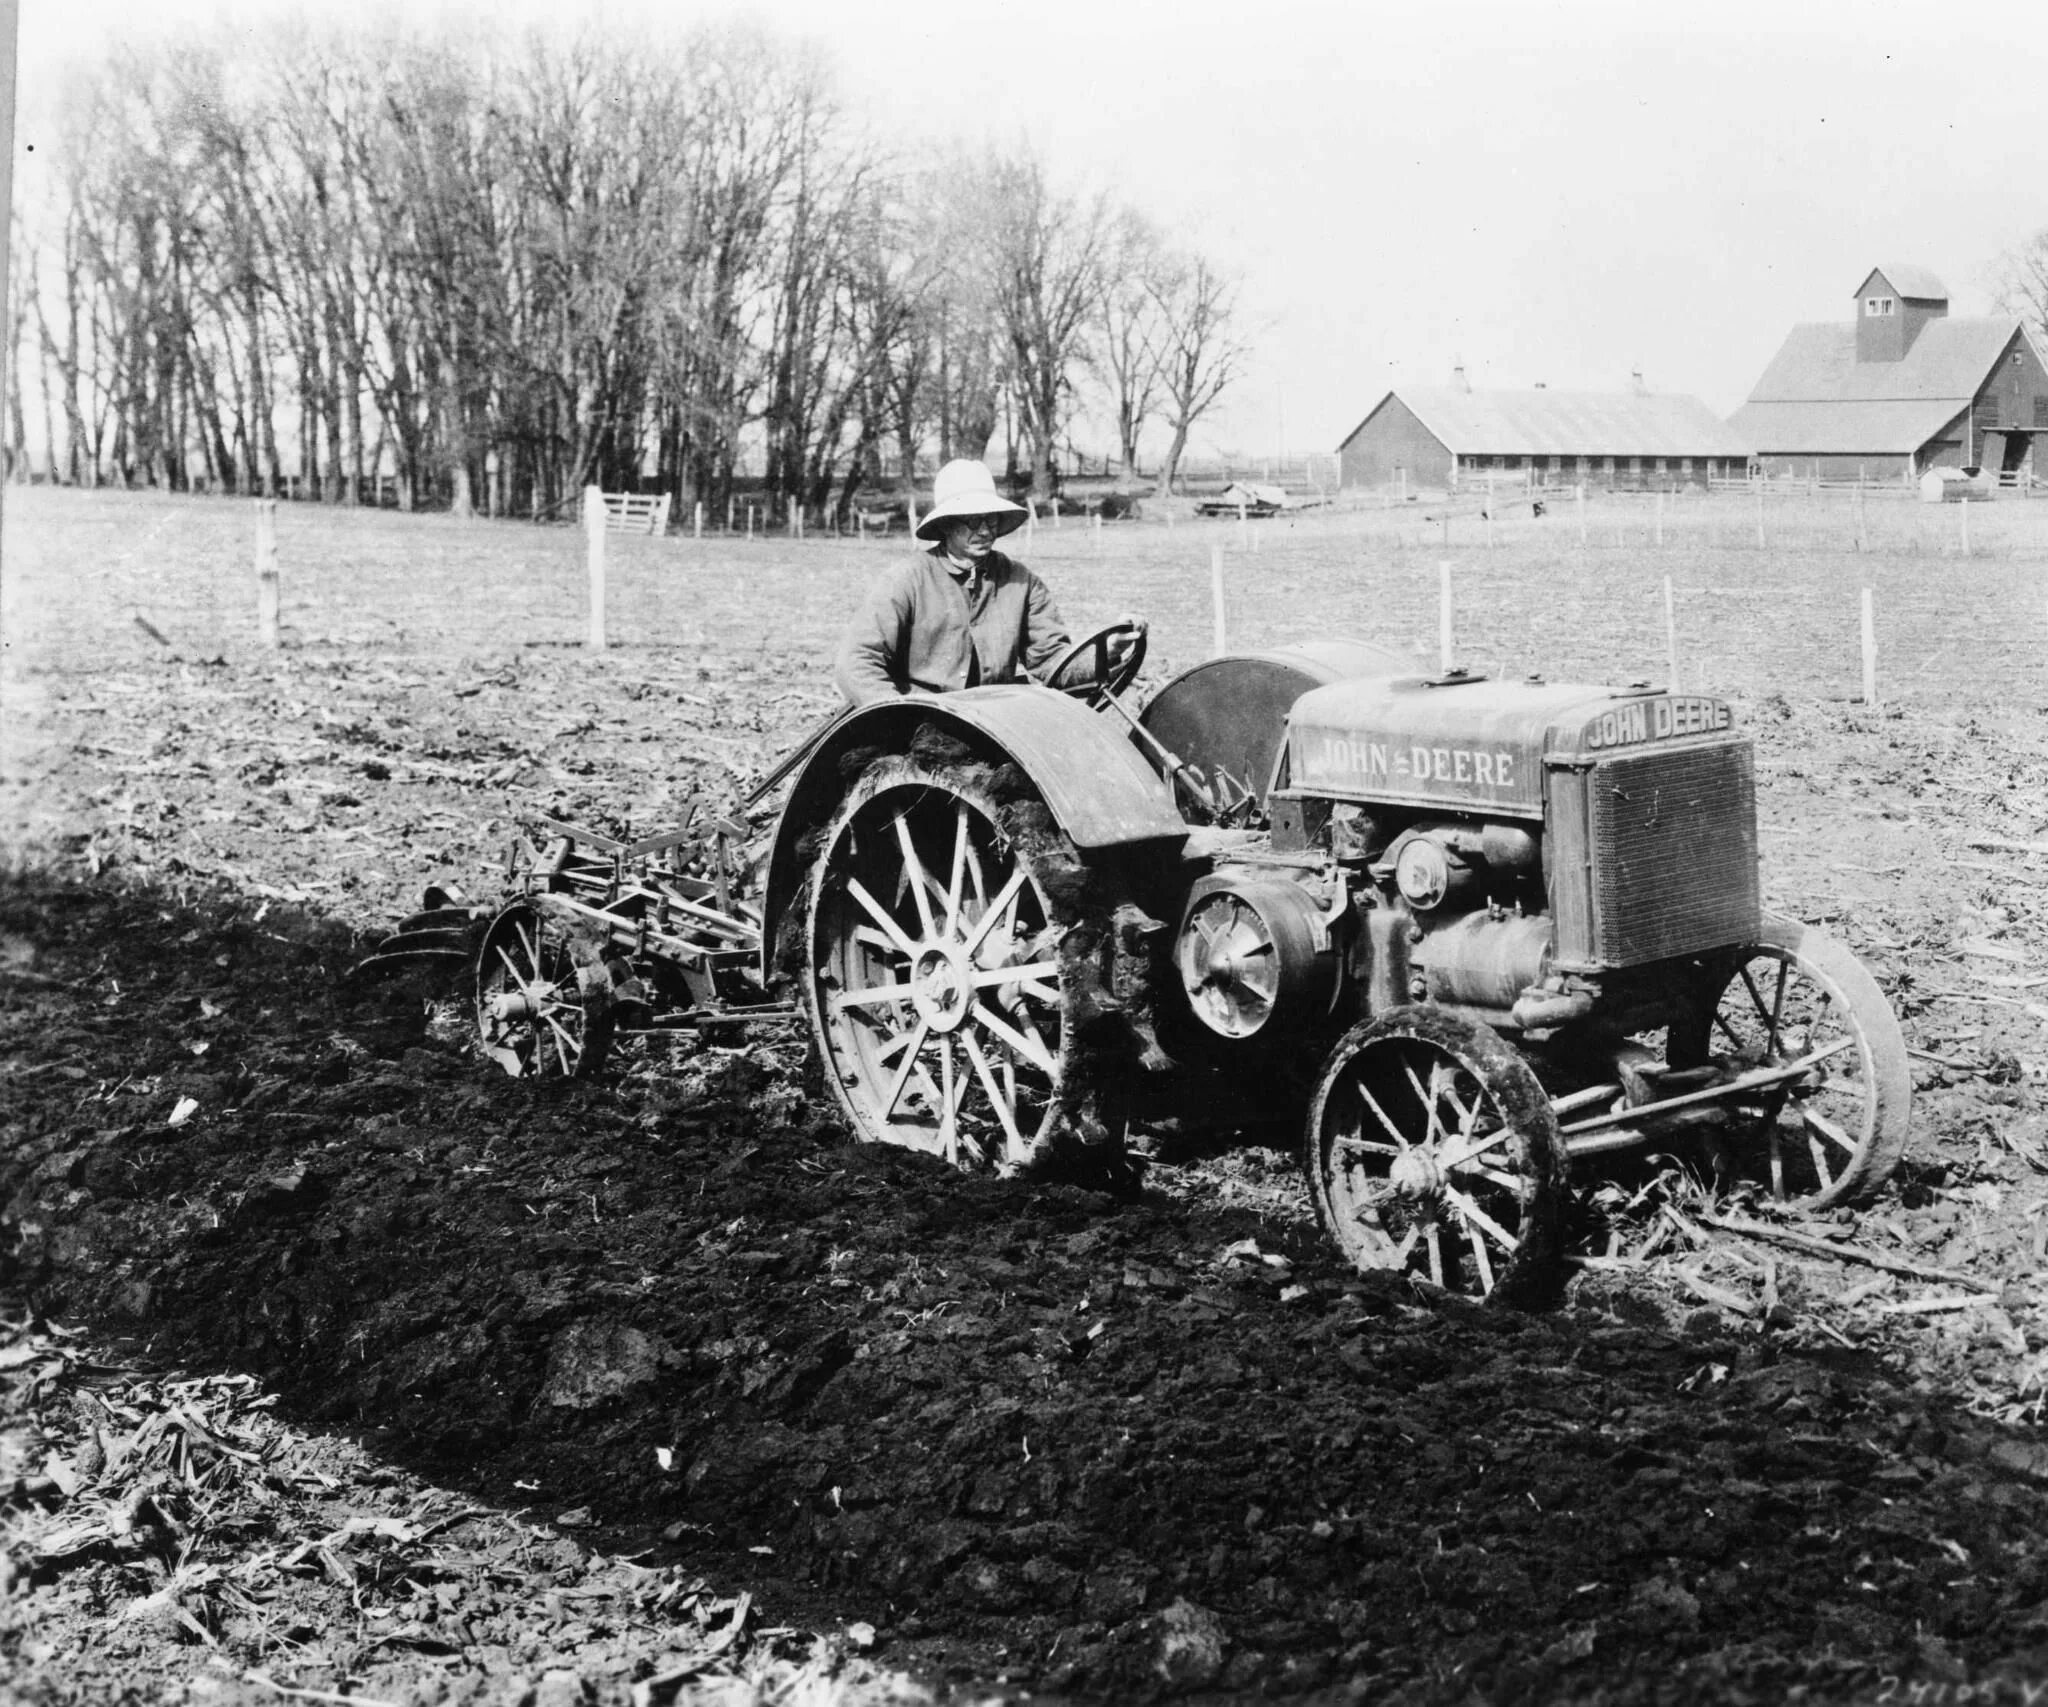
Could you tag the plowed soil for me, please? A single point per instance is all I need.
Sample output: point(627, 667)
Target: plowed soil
point(656, 1342)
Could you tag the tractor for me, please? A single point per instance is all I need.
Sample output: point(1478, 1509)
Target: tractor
point(1464, 933)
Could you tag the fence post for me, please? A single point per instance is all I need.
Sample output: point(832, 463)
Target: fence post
point(1670, 635)
point(1443, 617)
point(593, 552)
point(1869, 649)
point(1660, 517)
point(1582, 512)
point(1760, 515)
point(1216, 593)
point(1964, 506)
point(697, 521)
point(266, 573)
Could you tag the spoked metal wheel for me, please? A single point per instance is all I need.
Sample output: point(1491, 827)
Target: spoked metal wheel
point(533, 1014)
point(1431, 1148)
point(941, 972)
point(1835, 1133)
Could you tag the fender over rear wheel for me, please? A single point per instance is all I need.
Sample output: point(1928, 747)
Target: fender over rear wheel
point(1431, 1148)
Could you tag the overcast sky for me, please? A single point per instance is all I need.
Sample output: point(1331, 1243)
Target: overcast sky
point(1551, 192)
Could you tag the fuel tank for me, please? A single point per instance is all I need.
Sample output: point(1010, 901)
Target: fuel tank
point(1227, 716)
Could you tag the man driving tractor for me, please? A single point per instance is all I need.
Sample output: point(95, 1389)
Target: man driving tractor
point(962, 614)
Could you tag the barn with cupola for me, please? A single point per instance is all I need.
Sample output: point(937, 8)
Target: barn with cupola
point(1901, 388)
point(1451, 436)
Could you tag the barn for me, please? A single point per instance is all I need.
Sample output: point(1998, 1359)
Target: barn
point(1451, 436)
point(1901, 388)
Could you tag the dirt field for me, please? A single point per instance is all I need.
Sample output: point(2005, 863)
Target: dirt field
point(373, 1373)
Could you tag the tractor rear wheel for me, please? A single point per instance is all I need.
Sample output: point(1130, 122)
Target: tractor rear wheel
point(1836, 1135)
point(1431, 1148)
point(954, 974)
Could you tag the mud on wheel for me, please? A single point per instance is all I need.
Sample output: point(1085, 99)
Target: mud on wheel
point(537, 1015)
point(1835, 1134)
point(1431, 1148)
point(954, 979)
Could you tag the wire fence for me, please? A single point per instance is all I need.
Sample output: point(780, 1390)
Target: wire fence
point(100, 582)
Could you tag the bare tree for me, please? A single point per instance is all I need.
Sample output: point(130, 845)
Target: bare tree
point(2019, 284)
point(893, 289)
point(1044, 253)
point(1132, 330)
point(1201, 350)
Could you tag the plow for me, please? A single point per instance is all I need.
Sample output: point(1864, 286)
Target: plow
point(1466, 938)
point(593, 940)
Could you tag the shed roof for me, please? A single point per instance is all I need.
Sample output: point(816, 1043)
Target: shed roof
point(1888, 427)
point(1919, 283)
point(1566, 423)
point(1817, 363)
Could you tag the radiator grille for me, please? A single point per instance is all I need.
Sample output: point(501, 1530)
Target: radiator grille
point(1673, 843)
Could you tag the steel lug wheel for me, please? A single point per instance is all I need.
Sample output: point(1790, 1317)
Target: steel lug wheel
point(943, 974)
point(539, 1013)
point(1431, 1149)
point(1835, 1133)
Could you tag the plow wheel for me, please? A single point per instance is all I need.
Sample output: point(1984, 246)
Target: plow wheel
point(948, 964)
point(533, 1015)
point(1835, 1135)
point(1431, 1148)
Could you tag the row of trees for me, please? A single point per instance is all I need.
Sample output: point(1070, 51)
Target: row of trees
point(502, 275)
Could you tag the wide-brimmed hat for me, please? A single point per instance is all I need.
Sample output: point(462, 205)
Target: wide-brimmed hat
point(965, 487)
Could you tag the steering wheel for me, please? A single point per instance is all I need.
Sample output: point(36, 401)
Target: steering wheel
point(1107, 683)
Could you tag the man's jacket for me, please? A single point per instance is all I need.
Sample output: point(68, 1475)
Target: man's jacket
point(924, 627)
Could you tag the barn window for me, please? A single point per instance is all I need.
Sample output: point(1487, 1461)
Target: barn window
point(1878, 305)
point(2041, 411)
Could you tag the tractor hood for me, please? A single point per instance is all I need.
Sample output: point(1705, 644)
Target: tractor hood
point(1470, 744)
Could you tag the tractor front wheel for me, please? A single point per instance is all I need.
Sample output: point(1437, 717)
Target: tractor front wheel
point(1835, 1134)
point(1431, 1148)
